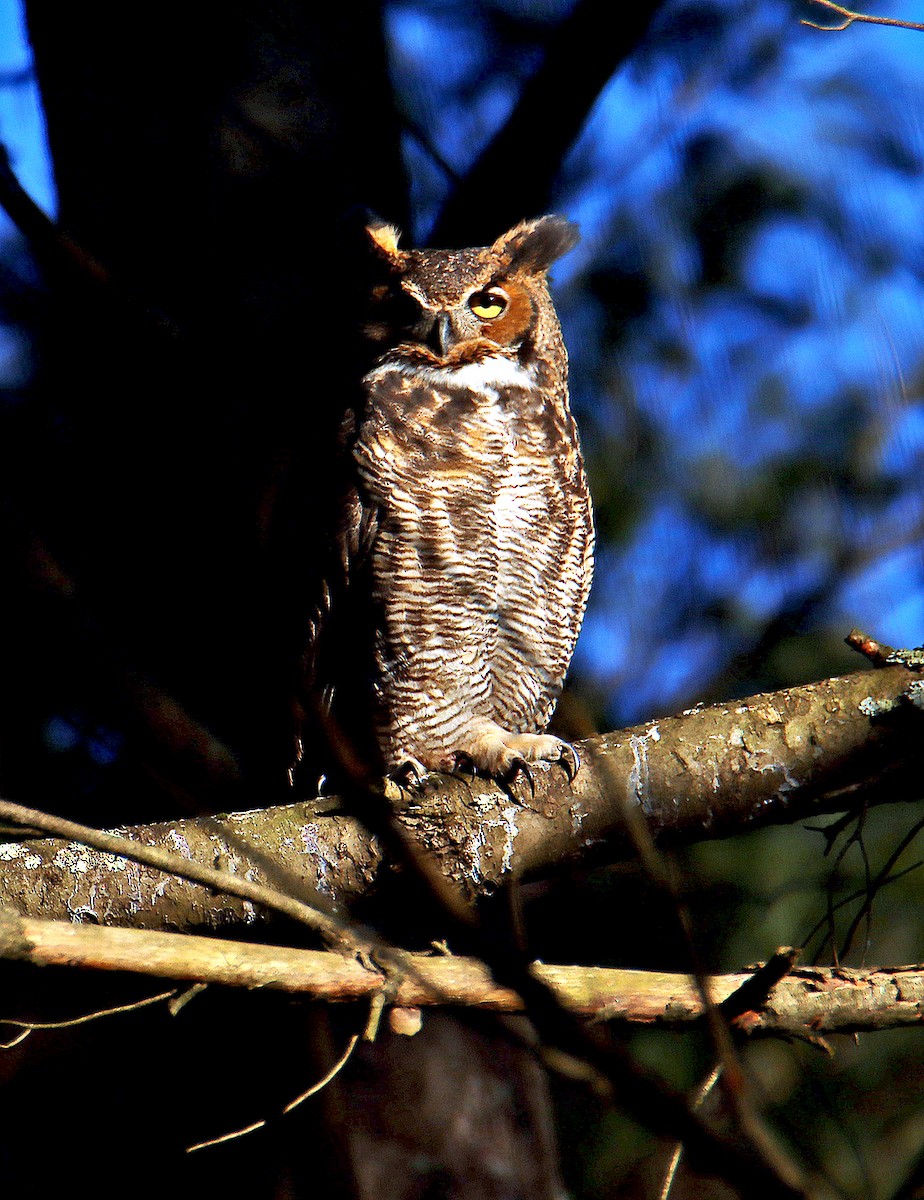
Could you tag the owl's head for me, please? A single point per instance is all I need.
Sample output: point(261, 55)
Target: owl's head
point(450, 307)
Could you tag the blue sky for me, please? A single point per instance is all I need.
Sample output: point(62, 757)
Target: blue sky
point(22, 129)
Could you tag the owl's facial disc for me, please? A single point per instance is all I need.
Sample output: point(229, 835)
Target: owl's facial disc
point(464, 324)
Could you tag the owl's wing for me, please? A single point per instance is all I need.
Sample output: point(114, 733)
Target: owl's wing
point(355, 527)
point(333, 633)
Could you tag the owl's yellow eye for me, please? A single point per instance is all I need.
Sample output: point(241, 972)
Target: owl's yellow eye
point(487, 305)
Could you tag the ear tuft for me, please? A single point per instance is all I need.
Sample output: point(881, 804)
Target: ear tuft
point(384, 239)
point(535, 245)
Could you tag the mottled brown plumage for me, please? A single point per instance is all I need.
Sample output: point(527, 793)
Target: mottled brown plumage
point(468, 524)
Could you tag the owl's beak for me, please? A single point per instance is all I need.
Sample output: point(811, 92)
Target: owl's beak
point(440, 336)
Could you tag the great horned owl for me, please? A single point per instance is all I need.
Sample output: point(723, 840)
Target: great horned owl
point(467, 527)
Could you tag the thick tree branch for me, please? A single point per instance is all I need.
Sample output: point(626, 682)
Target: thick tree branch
point(713, 772)
point(583, 53)
point(123, 850)
point(807, 1001)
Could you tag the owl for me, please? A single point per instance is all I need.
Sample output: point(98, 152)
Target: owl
point(466, 530)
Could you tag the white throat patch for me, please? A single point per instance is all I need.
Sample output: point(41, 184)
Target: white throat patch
point(487, 374)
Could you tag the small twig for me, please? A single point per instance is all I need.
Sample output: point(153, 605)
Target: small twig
point(29, 1026)
point(874, 885)
point(179, 1002)
point(867, 908)
point(856, 837)
point(877, 652)
point(753, 993)
point(833, 831)
point(849, 899)
point(850, 16)
point(331, 1074)
point(227, 1137)
point(376, 1008)
point(312, 1091)
point(14, 1041)
point(701, 1093)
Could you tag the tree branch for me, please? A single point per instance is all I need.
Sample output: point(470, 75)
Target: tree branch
point(807, 1001)
point(583, 53)
point(850, 16)
point(708, 773)
point(121, 850)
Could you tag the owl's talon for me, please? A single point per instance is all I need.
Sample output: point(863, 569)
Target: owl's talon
point(519, 766)
point(460, 762)
point(569, 761)
point(410, 773)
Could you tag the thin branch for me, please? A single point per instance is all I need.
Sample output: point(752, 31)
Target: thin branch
point(873, 886)
point(877, 652)
point(322, 1083)
point(850, 16)
point(808, 1000)
point(59, 252)
point(698, 1099)
point(37, 228)
point(85, 1018)
point(856, 838)
point(15, 1041)
point(327, 1078)
point(849, 899)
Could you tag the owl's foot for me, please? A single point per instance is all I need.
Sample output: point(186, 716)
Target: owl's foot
point(503, 755)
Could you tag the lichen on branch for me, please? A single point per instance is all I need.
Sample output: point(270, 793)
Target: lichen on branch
point(711, 772)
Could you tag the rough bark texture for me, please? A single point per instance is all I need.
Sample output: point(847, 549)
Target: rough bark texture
point(712, 772)
point(53, 878)
point(771, 759)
